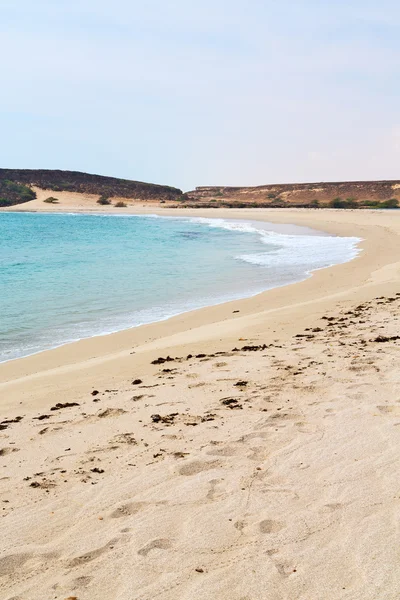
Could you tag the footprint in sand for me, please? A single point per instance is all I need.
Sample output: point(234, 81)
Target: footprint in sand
point(81, 582)
point(125, 438)
point(160, 544)
point(258, 453)
point(269, 526)
point(255, 435)
point(304, 427)
point(285, 569)
point(280, 416)
point(225, 451)
point(127, 510)
point(213, 493)
point(91, 555)
point(333, 506)
point(197, 466)
point(392, 410)
point(12, 563)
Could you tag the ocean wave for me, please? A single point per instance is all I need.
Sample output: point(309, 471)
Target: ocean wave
point(287, 249)
point(311, 253)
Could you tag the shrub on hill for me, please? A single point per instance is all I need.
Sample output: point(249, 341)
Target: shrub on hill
point(120, 204)
point(51, 200)
point(62, 186)
point(341, 203)
point(392, 203)
point(370, 203)
point(103, 200)
point(12, 193)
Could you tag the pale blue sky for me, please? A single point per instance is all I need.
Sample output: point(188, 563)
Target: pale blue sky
point(217, 92)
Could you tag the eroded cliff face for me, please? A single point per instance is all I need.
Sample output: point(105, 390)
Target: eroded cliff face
point(74, 181)
point(301, 194)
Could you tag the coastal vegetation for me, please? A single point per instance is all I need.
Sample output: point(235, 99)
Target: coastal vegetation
point(12, 192)
point(392, 203)
point(103, 200)
point(120, 204)
point(51, 200)
point(339, 203)
point(353, 203)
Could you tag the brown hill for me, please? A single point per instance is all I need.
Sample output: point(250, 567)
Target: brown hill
point(16, 184)
point(16, 187)
point(346, 193)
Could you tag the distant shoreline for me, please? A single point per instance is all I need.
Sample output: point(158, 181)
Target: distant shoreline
point(54, 185)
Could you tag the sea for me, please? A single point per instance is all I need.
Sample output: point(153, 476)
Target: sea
point(65, 277)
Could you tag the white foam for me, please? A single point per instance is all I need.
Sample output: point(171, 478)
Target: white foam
point(311, 252)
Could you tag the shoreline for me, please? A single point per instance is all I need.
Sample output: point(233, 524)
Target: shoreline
point(208, 302)
point(258, 318)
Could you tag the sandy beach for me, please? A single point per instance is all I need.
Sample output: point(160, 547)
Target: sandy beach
point(246, 451)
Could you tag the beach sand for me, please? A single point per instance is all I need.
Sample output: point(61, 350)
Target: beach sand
point(265, 466)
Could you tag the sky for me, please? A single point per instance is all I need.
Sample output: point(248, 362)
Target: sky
point(189, 93)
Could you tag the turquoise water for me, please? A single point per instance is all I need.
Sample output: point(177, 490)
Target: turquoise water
point(65, 277)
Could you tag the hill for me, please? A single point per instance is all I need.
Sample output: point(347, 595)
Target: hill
point(337, 194)
point(16, 186)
